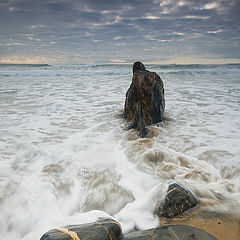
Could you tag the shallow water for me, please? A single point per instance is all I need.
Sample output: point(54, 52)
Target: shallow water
point(65, 150)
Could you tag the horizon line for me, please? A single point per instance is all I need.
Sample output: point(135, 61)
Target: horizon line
point(120, 63)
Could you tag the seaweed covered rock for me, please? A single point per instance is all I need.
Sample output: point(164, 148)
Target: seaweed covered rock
point(170, 232)
point(104, 229)
point(177, 201)
point(145, 103)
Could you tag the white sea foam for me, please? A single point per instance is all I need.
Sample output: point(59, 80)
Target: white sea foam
point(68, 158)
point(140, 213)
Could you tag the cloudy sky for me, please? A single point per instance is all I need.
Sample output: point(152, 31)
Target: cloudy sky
point(102, 31)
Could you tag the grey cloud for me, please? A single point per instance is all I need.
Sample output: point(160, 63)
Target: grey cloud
point(102, 29)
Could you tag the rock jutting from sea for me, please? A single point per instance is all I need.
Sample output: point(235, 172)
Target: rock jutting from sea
point(145, 103)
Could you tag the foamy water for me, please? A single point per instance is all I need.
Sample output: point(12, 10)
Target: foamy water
point(68, 158)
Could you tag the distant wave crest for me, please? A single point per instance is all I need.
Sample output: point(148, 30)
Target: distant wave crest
point(24, 65)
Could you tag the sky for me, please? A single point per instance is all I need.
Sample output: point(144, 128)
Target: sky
point(120, 31)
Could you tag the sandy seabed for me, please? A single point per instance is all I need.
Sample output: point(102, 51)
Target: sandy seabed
point(223, 227)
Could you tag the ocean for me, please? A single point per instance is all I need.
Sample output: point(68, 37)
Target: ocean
point(67, 156)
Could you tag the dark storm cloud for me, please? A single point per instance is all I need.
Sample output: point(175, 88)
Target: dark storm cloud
point(93, 30)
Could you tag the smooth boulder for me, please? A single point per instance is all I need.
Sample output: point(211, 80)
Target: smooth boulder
point(104, 229)
point(170, 232)
point(177, 201)
point(145, 103)
point(108, 229)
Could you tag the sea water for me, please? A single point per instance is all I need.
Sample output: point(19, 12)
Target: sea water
point(67, 156)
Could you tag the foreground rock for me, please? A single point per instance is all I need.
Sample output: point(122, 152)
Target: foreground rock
point(145, 103)
point(177, 201)
point(104, 229)
point(108, 229)
point(170, 232)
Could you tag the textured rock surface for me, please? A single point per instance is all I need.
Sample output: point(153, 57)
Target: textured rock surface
point(138, 66)
point(145, 103)
point(170, 233)
point(104, 229)
point(108, 229)
point(177, 201)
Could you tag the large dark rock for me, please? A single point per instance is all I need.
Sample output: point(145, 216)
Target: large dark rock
point(104, 229)
point(170, 232)
point(145, 103)
point(108, 229)
point(177, 201)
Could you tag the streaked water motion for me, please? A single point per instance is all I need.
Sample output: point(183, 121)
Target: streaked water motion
point(65, 149)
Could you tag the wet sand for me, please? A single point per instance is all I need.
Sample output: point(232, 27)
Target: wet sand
point(223, 227)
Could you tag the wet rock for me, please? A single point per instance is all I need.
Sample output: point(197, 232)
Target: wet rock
point(170, 232)
point(138, 66)
point(177, 201)
point(108, 229)
point(104, 229)
point(145, 103)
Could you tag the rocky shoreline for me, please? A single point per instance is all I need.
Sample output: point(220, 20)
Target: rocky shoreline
point(194, 224)
point(179, 217)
